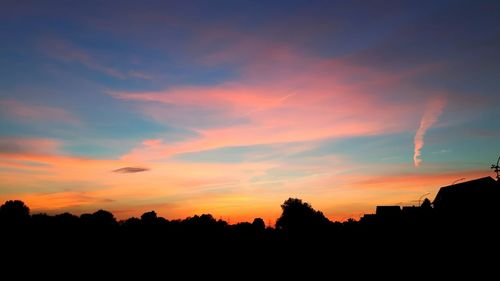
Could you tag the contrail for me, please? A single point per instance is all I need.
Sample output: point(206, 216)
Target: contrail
point(431, 115)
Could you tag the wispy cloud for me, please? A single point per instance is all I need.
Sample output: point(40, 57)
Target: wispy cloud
point(66, 200)
point(36, 113)
point(66, 51)
point(140, 75)
point(432, 112)
point(16, 145)
point(130, 170)
point(316, 100)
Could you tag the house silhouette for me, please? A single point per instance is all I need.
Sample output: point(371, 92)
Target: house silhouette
point(473, 200)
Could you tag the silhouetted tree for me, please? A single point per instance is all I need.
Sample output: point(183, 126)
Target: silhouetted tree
point(427, 212)
point(66, 220)
point(244, 228)
point(149, 217)
point(299, 216)
point(41, 220)
point(100, 218)
point(426, 205)
point(132, 222)
point(14, 211)
point(259, 224)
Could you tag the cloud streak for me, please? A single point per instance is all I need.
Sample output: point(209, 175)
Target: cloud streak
point(66, 51)
point(302, 98)
point(431, 115)
point(17, 145)
point(36, 113)
point(131, 170)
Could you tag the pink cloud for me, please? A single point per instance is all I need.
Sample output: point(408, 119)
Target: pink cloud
point(432, 112)
point(34, 113)
point(228, 96)
point(315, 100)
point(152, 142)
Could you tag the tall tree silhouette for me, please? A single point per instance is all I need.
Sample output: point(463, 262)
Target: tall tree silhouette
point(299, 216)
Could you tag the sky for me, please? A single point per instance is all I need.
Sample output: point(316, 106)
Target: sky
point(231, 107)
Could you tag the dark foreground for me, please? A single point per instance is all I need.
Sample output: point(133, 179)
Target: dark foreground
point(303, 242)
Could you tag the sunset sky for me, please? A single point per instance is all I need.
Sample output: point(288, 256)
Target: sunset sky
point(231, 107)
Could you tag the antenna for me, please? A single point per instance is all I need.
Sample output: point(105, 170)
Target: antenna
point(454, 182)
point(496, 168)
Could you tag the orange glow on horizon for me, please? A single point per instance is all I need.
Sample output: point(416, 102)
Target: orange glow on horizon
point(178, 190)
